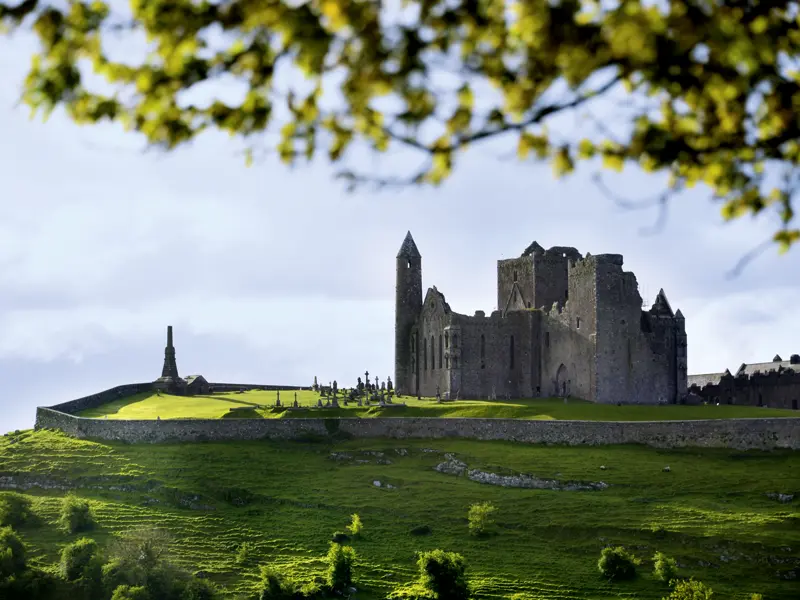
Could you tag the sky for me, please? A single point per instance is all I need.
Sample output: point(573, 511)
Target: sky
point(274, 276)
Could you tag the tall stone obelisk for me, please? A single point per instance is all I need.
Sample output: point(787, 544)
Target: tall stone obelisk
point(169, 380)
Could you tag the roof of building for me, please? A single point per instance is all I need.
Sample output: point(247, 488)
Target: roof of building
point(192, 378)
point(768, 367)
point(704, 379)
point(409, 248)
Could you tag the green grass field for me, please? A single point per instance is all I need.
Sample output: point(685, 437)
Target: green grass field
point(152, 406)
point(710, 511)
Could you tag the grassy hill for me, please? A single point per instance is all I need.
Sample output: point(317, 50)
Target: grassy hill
point(151, 406)
point(710, 510)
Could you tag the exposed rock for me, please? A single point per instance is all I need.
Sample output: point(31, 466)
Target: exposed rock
point(526, 481)
point(452, 466)
point(782, 498)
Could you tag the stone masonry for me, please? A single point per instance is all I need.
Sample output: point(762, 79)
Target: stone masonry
point(741, 434)
point(775, 384)
point(566, 325)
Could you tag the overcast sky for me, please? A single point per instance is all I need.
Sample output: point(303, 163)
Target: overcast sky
point(274, 276)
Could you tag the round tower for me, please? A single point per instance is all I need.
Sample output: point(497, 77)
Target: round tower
point(408, 305)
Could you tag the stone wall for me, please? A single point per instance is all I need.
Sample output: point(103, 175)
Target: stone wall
point(741, 434)
point(104, 397)
point(123, 391)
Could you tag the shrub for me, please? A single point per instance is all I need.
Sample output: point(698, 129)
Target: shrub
point(274, 586)
point(689, 589)
point(12, 553)
point(76, 515)
point(480, 519)
point(30, 584)
point(340, 537)
point(76, 558)
point(244, 553)
point(443, 574)
point(15, 509)
point(420, 530)
point(664, 568)
point(126, 592)
point(617, 564)
point(116, 573)
point(355, 526)
point(143, 547)
point(340, 567)
point(199, 589)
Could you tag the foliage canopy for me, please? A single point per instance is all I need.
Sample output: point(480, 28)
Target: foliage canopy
point(712, 85)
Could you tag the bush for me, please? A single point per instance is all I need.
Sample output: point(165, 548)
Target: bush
point(274, 586)
point(664, 568)
point(12, 553)
point(443, 574)
point(30, 584)
point(244, 553)
point(340, 561)
point(480, 519)
point(355, 526)
point(15, 509)
point(76, 558)
point(690, 590)
point(116, 573)
point(126, 592)
point(199, 589)
point(76, 515)
point(617, 564)
point(340, 537)
point(420, 530)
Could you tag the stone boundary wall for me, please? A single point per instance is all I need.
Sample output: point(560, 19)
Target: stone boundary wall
point(740, 434)
point(235, 387)
point(104, 397)
point(130, 389)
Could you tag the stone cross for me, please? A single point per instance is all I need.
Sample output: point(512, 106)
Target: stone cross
point(438, 394)
point(376, 383)
point(366, 378)
point(278, 403)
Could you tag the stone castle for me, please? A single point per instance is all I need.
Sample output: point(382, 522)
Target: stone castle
point(567, 325)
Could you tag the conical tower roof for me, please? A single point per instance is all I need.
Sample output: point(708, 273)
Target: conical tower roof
point(409, 248)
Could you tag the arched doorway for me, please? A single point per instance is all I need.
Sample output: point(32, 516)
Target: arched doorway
point(562, 389)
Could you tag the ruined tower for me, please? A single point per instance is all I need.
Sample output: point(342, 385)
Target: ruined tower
point(408, 304)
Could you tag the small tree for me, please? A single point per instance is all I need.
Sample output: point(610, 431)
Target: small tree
point(15, 509)
point(199, 589)
point(77, 558)
point(76, 515)
point(355, 526)
point(480, 518)
point(617, 564)
point(127, 592)
point(340, 561)
point(12, 553)
point(664, 568)
point(689, 589)
point(443, 574)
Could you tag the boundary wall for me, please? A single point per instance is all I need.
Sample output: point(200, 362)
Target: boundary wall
point(123, 391)
point(740, 434)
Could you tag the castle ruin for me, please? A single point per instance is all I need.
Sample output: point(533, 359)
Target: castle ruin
point(567, 325)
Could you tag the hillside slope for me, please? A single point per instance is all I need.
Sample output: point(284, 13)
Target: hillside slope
point(710, 510)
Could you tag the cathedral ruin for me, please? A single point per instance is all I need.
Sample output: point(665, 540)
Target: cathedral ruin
point(567, 325)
